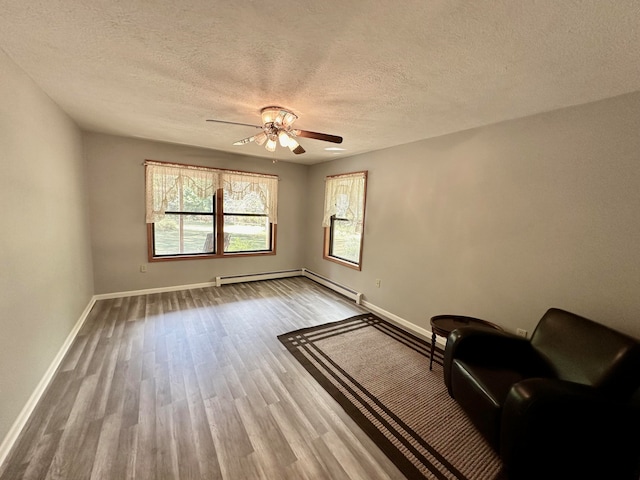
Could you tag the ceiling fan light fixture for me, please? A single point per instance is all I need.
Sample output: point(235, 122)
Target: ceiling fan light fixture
point(269, 114)
point(283, 138)
point(288, 119)
point(277, 127)
point(271, 144)
point(278, 122)
point(280, 117)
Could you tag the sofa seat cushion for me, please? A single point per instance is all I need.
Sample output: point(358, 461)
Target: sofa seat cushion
point(481, 391)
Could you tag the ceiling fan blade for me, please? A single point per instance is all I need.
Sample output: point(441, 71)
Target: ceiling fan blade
point(298, 150)
point(318, 136)
point(261, 138)
point(234, 123)
point(245, 140)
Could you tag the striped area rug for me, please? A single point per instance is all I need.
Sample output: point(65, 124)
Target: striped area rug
point(380, 375)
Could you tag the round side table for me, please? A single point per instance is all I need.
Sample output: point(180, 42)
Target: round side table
point(443, 325)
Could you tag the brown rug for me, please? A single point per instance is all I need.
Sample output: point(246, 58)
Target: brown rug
point(380, 375)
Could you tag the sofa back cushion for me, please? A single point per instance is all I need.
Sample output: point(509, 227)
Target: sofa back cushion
point(583, 351)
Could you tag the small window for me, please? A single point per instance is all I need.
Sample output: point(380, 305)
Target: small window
point(197, 212)
point(344, 209)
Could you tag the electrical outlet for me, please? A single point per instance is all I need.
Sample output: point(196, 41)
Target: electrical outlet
point(378, 281)
point(143, 268)
point(521, 332)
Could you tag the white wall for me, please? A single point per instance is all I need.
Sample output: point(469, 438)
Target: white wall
point(502, 222)
point(45, 275)
point(119, 232)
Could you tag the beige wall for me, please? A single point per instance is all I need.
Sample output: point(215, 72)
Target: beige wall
point(116, 186)
point(499, 222)
point(502, 222)
point(46, 280)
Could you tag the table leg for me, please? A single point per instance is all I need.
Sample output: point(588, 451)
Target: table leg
point(433, 346)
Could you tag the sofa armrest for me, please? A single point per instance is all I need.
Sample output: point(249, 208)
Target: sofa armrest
point(486, 346)
point(548, 424)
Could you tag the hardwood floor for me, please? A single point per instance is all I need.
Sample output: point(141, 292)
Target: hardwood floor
point(195, 385)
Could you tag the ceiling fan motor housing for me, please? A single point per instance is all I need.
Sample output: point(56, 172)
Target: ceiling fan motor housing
point(278, 116)
point(277, 123)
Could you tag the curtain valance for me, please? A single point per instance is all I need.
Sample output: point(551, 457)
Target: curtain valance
point(250, 192)
point(344, 198)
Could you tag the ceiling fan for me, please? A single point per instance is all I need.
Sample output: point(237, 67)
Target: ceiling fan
point(277, 128)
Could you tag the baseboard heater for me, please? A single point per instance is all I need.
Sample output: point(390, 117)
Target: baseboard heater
point(303, 272)
point(341, 289)
point(253, 277)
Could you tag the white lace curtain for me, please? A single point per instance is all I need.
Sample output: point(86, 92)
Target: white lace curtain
point(251, 193)
point(344, 198)
point(165, 182)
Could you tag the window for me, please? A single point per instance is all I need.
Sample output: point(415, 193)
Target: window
point(344, 205)
point(198, 212)
point(246, 224)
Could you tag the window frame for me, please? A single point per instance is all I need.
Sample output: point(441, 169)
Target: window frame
point(222, 214)
point(327, 249)
point(218, 228)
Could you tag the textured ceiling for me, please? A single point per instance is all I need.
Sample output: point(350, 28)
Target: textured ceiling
point(377, 72)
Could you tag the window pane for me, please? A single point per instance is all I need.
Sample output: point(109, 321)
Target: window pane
point(248, 202)
point(180, 234)
point(189, 197)
point(246, 233)
point(346, 242)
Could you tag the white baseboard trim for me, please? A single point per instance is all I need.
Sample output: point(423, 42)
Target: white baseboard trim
point(15, 430)
point(222, 280)
point(148, 291)
point(402, 323)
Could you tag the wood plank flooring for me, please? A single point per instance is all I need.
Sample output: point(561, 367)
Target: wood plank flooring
point(195, 385)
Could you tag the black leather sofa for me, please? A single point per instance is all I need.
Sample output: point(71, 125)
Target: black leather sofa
point(564, 404)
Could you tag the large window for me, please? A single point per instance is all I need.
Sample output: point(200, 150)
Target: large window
point(344, 206)
point(197, 212)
